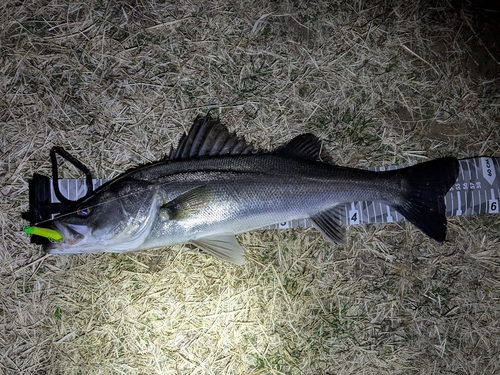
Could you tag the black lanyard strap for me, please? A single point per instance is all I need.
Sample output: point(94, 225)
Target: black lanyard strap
point(55, 175)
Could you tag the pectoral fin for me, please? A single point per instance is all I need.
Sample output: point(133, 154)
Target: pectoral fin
point(187, 205)
point(223, 246)
point(328, 223)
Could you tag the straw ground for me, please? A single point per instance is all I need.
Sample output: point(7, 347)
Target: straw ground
point(381, 83)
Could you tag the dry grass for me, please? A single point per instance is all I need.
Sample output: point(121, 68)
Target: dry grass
point(117, 83)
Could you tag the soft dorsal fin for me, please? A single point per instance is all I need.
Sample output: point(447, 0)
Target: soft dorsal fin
point(305, 146)
point(208, 137)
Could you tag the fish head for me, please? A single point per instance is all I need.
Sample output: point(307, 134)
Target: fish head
point(117, 217)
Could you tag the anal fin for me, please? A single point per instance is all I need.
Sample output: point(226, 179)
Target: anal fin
point(328, 223)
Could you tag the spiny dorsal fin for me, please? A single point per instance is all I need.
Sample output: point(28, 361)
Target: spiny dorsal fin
point(208, 137)
point(305, 146)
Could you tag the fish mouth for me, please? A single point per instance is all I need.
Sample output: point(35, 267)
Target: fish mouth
point(71, 235)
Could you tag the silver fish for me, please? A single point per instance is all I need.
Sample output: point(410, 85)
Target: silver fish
point(215, 185)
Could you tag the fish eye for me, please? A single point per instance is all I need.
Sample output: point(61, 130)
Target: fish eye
point(83, 211)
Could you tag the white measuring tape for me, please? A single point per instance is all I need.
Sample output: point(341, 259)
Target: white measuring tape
point(476, 191)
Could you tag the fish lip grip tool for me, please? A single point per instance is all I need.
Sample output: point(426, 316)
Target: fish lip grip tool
point(47, 198)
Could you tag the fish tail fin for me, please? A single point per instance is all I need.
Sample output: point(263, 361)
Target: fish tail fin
point(424, 186)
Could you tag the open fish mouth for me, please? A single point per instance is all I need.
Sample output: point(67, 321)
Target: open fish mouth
point(71, 235)
point(77, 233)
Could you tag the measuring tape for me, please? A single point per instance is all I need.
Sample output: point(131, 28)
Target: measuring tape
point(476, 191)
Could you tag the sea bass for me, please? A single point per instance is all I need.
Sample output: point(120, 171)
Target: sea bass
point(215, 185)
